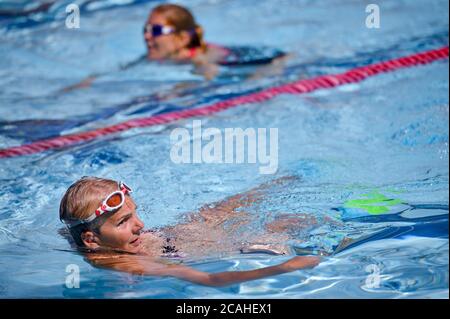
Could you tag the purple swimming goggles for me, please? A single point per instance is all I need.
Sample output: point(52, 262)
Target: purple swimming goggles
point(157, 30)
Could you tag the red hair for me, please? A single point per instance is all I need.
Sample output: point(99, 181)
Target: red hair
point(182, 20)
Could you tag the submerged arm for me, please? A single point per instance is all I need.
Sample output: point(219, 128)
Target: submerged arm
point(142, 265)
point(233, 277)
point(91, 78)
point(275, 68)
point(242, 200)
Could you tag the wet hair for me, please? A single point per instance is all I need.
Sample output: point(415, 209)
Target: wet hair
point(81, 199)
point(182, 20)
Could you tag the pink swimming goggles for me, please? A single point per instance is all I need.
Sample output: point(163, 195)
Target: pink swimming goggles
point(112, 203)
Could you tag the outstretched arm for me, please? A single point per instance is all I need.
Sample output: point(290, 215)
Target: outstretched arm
point(275, 68)
point(142, 265)
point(83, 84)
point(233, 277)
point(91, 78)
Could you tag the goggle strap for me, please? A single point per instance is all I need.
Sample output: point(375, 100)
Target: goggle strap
point(124, 188)
point(79, 222)
point(90, 218)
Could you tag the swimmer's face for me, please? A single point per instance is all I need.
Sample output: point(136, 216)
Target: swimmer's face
point(120, 231)
point(164, 46)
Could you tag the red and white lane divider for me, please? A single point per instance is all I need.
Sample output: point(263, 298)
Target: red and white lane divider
point(298, 87)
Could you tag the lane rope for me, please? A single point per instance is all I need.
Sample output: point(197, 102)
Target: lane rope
point(298, 87)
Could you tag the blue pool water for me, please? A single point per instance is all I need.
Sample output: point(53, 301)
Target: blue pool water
point(384, 140)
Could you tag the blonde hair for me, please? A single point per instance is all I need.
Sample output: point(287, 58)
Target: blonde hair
point(81, 199)
point(183, 20)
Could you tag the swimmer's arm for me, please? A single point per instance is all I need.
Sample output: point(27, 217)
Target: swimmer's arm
point(207, 64)
point(242, 200)
point(83, 84)
point(91, 78)
point(276, 67)
point(233, 277)
point(139, 265)
point(131, 64)
point(206, 68)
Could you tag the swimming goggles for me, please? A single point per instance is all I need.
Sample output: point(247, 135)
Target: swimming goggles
point(157, 30)
point(113, 202)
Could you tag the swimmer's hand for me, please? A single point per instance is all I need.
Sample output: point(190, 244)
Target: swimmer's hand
point(265, 249)
point(300, 262)
point(208, 70)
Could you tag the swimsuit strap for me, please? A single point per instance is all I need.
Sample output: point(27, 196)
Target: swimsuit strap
point(222, 48)
point(192, 52)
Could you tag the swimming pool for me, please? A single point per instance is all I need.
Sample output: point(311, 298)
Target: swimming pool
point(372, 155)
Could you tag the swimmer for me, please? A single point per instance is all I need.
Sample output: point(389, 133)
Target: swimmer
point(103, 223)
point(171, 34)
